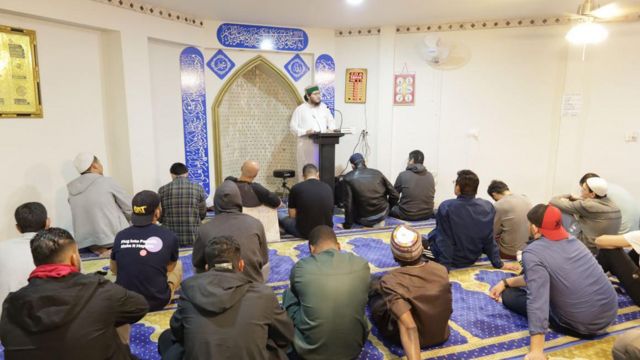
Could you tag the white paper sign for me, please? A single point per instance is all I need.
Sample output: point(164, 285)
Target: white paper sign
point(571, 105)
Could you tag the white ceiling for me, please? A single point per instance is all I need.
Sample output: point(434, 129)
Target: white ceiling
point(337, 14)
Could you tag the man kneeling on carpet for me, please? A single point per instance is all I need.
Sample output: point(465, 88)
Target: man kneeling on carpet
point(566, 288)
point(222, 314)
point(63, 313)
point(326, 300)
point(464, 228)
point(412, 305)
point(145, 256)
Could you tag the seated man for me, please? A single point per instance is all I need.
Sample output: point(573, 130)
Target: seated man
point(627, 346)
point(224, 315)
point(464, 228)
point(253, 194)
point(412, 305)
point(145, 255)
point(417, 189)
point(63, 313)
point(510, 225)
point(310, 205)
point(99, 206)
point(566, 289)
point(625, 267)
point(183, 205)
point(326, 300)
point(230, 221)
point(596, 213)
point(366, 191)
point(15, 254)
point(628, 205)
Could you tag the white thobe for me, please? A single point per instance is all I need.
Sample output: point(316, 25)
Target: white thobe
point(308, 117)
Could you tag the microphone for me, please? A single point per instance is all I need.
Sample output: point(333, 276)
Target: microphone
point(341, 119)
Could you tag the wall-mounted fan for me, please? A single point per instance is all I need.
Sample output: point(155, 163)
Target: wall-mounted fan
point(443, 55)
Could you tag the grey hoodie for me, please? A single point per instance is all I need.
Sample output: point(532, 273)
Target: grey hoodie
point(417, 188)
point(595, 216)
point(223, 315)
point(230, 221)
point(100, 208)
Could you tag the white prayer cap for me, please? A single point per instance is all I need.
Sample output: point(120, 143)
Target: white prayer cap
point(598, 185)
point(83, 161)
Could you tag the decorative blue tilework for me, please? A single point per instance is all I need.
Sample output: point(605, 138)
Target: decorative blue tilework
point(325, 78)
point(221, 64)
point(252, 36)
point(194, 116)
point(296, 67)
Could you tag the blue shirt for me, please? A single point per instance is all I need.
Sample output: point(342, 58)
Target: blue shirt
point(464, 231)
point(563, 277)
point(142, 254)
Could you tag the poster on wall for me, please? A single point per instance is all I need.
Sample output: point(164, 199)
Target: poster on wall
point(19, 77)
point(404, 89)
point(355, 86)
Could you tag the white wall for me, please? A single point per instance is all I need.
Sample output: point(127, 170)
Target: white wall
point(613, 109)
point(510, 93)
point(37, 153)
point(357, 52)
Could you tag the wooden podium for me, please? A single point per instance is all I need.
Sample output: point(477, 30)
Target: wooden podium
point(327, 143)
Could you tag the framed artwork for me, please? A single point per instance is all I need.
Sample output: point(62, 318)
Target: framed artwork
point(404, 89)
point(355, 91)
point(19, 74)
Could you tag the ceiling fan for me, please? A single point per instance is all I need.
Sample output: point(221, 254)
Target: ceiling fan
point(588, 29)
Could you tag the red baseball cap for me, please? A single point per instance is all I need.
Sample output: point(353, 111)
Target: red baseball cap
point(548, 219)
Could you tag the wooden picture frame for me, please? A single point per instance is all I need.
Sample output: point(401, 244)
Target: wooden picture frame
point(19, 74)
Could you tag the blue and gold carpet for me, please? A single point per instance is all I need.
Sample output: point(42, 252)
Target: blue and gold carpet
point(480, 327)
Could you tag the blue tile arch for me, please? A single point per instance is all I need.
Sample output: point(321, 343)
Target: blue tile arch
point(220, 64)
point(296, 67)
point(194, 116)
point(251, 36)
point(325, 78)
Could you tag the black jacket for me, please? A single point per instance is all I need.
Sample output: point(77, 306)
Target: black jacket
point(73, 317)
point(223, 315)
point(418, 188)
point(254, 194)
point(366, 194)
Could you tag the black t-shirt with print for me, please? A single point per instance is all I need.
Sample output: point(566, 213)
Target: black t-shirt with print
point(142, 254)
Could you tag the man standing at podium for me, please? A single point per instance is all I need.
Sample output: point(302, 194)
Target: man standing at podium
point(310, 117)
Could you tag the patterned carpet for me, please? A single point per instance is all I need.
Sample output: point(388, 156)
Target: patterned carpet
point(480, 327)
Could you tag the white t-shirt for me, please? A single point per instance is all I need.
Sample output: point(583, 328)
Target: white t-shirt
point(634, 239)
point(16, 264)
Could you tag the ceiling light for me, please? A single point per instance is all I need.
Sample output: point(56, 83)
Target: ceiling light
point(587, 33)
point(355, 2)
point(266, 44)
point(608, 11)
